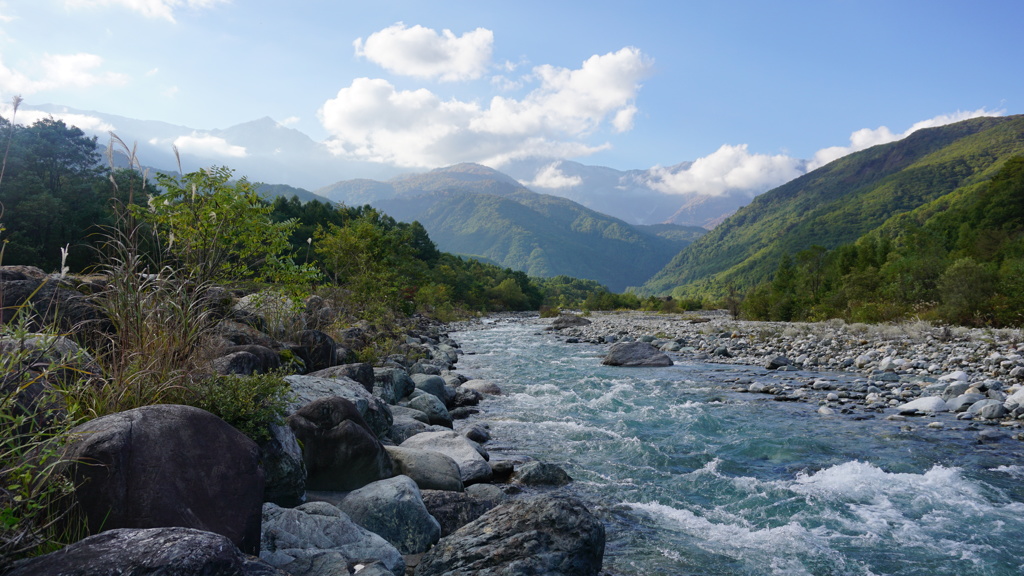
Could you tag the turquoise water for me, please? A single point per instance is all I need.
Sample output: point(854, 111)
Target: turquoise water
point(692, 478)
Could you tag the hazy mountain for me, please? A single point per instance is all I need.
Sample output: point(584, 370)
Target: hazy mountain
point(839, 202)
point(473, 210)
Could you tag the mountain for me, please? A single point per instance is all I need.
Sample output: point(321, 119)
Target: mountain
point(632, 195)
point(473, 210)
point(839, 202)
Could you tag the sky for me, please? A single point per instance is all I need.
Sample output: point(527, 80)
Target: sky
point(754, 92)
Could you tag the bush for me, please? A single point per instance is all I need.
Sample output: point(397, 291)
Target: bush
point(249, 403)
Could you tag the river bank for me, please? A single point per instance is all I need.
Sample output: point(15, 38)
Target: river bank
point(903, 369)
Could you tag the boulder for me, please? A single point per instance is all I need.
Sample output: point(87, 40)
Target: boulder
point(168, 465)
point(171, 551)
point(241, 362)
point(317, 538)
point(473, 467)
point(374, 411)
point(317, 350)
point(362, 373)
point(453, 510)
point(405, 427)
point(394, 510)
point(430, 470)
point(392, 382)
point(927, 404)
point(988, 409)
point(284, 472)
point(568, 320)
point(339, 448)
point(431, 384)
point(541, 474)
point(776, 362)
point(483, 387)
point(551, 535)
point(635, 354)
point(51, 303)
point(433, 408)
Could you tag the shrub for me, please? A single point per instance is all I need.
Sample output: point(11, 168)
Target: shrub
point(249, 403)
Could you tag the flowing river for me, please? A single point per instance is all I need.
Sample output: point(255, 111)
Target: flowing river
point(690, 477)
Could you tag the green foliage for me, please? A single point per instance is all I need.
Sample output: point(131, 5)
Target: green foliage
point(957, 259)
point(249, 403)
point(222, 231)
point(839, 203)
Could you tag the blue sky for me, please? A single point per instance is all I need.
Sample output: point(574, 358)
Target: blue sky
point(749, 87)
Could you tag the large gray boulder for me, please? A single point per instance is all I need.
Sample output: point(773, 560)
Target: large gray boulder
point(431, 384)
point(168, 465)
point(284, 471)
point(317, 538)
point(394, 510)
point(453, 510)
point(392, 382)
point(541, 474)
point(430, 470)
point(171, 551)
point(483, 387)
point(360, 372)
point(339, 448)
point(568, 320)
point(433, 408)
point(374, 411)
point(473, 467)
point(551, 535)
point(635, 354)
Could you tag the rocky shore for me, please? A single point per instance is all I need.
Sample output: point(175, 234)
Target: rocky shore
point(899, 370)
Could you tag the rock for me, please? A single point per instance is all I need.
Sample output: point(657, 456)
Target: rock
point(547, 535)
point(317, 538)
point(284, 472)
point(394, 379)
point(473, 467)
point(405, 427)
point(317, 350)
point(431, 384)
point(776, 362)
point(453, 510)
point(927, 404)
point(433, 408)
point(373, 410)
point(483, 387)
point(170, 551)
point(541, 474)
point(394, 510)
point(50, 304)
point(340, 450)
point(988, 409)
point(962, 402)
point(638, 354)
point(430, 470)
point(957, 376)
point(477, 433)
point(568, 320)
point(242, 363)
point(361, 373)
point(168, 465)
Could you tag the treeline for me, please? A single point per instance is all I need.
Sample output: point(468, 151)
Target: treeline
point(60, 199)
point(959, 259)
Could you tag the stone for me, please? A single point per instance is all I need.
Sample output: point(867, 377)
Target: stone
point(430, 470)
point(927, 404)
point(962, 402)
point(483, 386)
point(168, 465)
point(541, 474)
point(988, 409)
point(339, 448)
point(473, 467)
point(431, 384)
point(405, 427)
point(568, 320)
point(360, 372)
point(453, 510)
point(374, 411)
point(393, 509)
point(551, 535)
point(169, 551)
point(433, 408)
point(284, 471)
point(317, 538)
point(776, 362)
point(635, 354)
point(477, 433)
point(395, 380)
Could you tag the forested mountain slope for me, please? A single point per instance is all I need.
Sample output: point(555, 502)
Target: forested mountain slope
point(838, 203)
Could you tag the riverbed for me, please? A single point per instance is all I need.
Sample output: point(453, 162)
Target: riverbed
point(692, 477)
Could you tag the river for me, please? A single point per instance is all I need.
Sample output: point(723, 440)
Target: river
point(691, 477)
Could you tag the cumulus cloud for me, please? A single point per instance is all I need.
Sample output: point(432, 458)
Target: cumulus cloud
point(867, 137)
point(86, 123)
point(289, 121)
point(60, 71)
point(552, 178)
point(729, 169)
point(423, 53)
point(207, 144)
point(156, 9)
point(372, 120)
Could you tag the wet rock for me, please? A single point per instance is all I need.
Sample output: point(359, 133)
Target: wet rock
point(473, 467)
point(541, 474)
point(430, 470)
point(635, 354)
point(394, 510)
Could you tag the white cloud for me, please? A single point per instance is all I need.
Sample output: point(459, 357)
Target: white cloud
point(729, 169)
point(867, 137)
point(289, 121)
point(423, 53)
point(156, 9)
point(372, 120)
point(206, 144)
point(552, 178)
point(60, 71)
point(27, 117)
